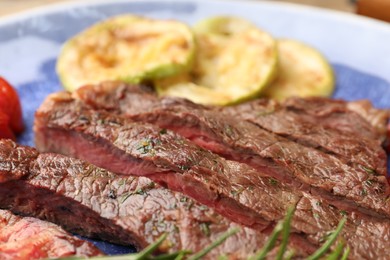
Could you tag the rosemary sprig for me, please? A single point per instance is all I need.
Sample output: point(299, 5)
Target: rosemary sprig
point(335, 255)
point(260, 255)
point(151, 248)
point(285, 233)
point(176, 255)
point(328, 243)
point(146, 254)
point(290, 255)
point(282, 228)
point(346, 253)
point(213, 245)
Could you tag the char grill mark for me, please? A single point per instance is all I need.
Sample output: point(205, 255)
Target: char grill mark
point(235, 190)
point(29, 238)
point(126, 210)
point(360, 182)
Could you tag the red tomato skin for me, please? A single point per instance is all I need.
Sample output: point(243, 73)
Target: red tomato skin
point(10, 105)
point(5, 130)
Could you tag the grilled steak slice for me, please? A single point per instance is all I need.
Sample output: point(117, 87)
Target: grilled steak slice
point(125, 210)
point(362, 188)
point(235, 190)
point(344, 116)
point(336, 132)
point(329, 125)
point(30, 238)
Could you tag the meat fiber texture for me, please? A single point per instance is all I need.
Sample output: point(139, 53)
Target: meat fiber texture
point(126, 210)
point(330, 147)
point(30, 238)
point(235, 190)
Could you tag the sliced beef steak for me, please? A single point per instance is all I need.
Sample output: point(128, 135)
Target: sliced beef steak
point(125, 210)
point(235, 190)
point(351, 184)
point(26, 238)
point(321, 123)
point(359, 145)
point(358, 118)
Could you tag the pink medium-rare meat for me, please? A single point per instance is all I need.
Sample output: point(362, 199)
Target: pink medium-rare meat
point(26, 238)
point(233, 189)
point(260, 142)
point(121, 209)
point(351, 137)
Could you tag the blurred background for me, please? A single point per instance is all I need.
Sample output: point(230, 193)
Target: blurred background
point(379, 9)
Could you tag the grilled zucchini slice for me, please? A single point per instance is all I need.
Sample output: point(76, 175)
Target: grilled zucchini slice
point(128, 48)
point(303, 72)
point(233, 63)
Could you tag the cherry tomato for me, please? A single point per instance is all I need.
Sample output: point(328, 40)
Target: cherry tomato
point(10, 106)
point(5, 130)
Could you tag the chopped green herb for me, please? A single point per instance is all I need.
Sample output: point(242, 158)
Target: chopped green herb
point(189, 206)
point(369, 182)
point(184, 167)
point(139, 191)
point(203, 208)
point(229, 130)
point(237, 192)
point(369, 170)
point(180, 141)
point(176, 229)
point(343, 213)
point(163, 131)
point(363, 192)
point(125, 196)
point(151, 185)
point(273, 182)
point(204, 227)
point(145, 146)
point(121, 182)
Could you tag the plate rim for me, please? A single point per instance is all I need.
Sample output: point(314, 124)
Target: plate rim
point(294, 7)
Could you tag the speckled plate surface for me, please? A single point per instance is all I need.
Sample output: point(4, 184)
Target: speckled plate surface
point(357, 47)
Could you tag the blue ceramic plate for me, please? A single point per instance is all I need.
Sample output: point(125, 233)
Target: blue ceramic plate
point(357, 47)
